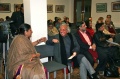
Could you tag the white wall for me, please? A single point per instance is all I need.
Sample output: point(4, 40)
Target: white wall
point(12, 2)
point(68, 11)
point(115, 15)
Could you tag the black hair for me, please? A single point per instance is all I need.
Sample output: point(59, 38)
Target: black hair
point(50, 24)
point(23, 27)
point(79, 24)
point(98, 25)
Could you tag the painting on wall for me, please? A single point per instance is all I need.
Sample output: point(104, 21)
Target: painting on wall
point(5, 7)
point(49, 8)
point(17, 7)
point(101, 7)
point(115, 6)
point(59, 8)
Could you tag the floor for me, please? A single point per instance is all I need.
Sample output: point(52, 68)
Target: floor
point(74, 75)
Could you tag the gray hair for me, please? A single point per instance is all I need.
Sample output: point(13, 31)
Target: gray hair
point(64, 24)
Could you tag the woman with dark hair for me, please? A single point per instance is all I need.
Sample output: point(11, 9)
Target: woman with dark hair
point(23, 61)
point(89, 27)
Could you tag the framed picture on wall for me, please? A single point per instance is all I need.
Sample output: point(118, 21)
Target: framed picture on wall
point(49, 8)
point(115, 6)
point(59, 8)
point(5, 7)
point(17, 7)
point(101, 7)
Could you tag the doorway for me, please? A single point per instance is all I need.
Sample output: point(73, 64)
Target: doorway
point(82, 10)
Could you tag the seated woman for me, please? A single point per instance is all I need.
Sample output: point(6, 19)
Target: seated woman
point(89, 27)
point(23, 62)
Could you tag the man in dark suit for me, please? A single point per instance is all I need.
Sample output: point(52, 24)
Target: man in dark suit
point(88, 47)
point(18, 19)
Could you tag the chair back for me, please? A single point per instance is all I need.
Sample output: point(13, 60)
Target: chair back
point(44, 50)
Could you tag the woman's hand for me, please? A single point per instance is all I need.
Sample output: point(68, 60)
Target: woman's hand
point(43, 39)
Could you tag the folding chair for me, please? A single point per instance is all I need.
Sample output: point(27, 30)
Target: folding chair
point(51, 66)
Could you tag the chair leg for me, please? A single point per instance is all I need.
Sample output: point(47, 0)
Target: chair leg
point(64, 73)
point(71, 69)
point(54, 74)
point(68, 75)
point(48, 76)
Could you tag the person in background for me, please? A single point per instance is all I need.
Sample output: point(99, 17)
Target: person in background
point(66, 20)
point(52, 30)
point(1, 19)
point(100, 20)
point(89, 27)
point(8, 18)
point(58, 23)
point(23, 61)
point(109, 17)
point(106, 49)
point(66, 50)
point(18, 19)
point(109, 26)
point(55, 20)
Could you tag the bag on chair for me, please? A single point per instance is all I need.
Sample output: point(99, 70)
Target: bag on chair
point(111, 69)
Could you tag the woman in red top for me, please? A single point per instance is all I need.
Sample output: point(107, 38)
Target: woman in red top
point(89, 27)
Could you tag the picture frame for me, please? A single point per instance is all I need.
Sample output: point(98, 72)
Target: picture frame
point(49, 8)
point(59, 8)
point(115, 6)
point(5, 7)
point(17, 7)
point(101, 7)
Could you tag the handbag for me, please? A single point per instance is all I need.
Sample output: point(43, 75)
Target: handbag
point(111, 69)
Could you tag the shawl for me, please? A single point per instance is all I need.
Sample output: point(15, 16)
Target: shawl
point(19, 53)
point(93, 53)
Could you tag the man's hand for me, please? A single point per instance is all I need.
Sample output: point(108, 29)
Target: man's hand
point(55, 40)
point(94, 47)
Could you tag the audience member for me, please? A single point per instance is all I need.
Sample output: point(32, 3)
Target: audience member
point(86, 43)
point(88, 47)
point(55, 20)
point(109, 26)
point(1, 19)
point(59, 21)
point(52, 30)
point(66, 50)
point(100, 20)
point(89, 27)
point(18, 19)
point(66, 20)
point(102, 45)
point(23, 62)
point(8, 18)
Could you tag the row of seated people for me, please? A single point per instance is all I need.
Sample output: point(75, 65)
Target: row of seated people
point(93, 45)
point(65, 45)
point(23, 61)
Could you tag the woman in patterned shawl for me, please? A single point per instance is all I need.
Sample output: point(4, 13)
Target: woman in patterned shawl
point(23, 62)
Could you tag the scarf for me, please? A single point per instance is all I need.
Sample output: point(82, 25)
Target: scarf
point(63, 51)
